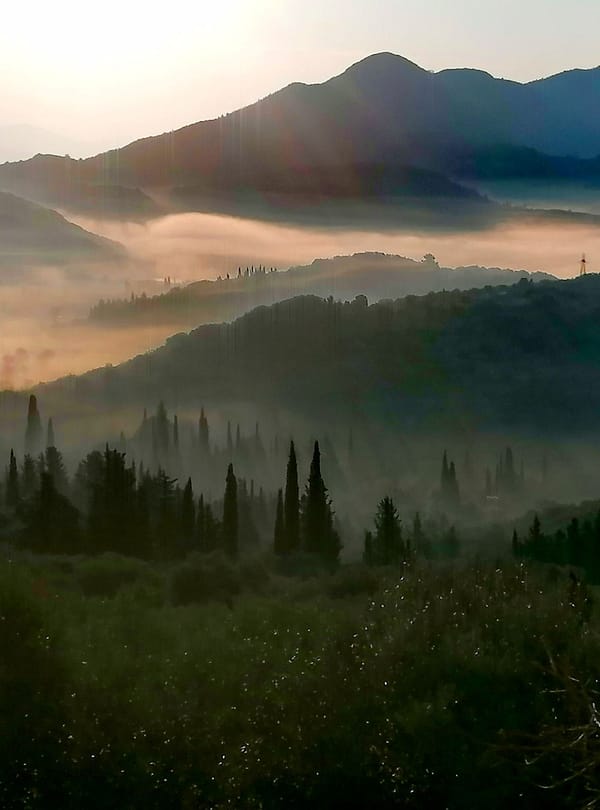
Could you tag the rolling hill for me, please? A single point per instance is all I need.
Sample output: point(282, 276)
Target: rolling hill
point(376, 275)
point(522, 359)
point(31, 235)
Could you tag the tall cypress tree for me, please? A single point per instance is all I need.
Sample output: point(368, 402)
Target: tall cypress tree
point(280, 545)
point(319, 534)
point(12, 481)
point(188, 514)
point(230, 514)
point(292, 503)
point(176, 433)
point(229, 442)
point(50, 440)
point(203, 433)
point(33, 432)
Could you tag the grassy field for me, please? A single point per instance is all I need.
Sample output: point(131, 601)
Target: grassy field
point(207, 684)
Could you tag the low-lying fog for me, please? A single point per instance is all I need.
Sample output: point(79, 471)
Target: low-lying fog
point(39, 339)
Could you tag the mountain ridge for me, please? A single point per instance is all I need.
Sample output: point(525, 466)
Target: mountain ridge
point(383, 110)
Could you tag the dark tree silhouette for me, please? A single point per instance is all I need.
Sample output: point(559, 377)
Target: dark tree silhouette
point(12, 482)
point(33, 432)
point(319, 534)
point(292, 503)
point(280, 545)
point(230, 514)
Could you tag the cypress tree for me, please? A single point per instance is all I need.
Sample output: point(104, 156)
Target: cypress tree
point(280, 545)
point(230, 514)
point(33, 432)
point(201, 524)
point(320, 536)
point(203, 433)
point(50, 440)
point(229, 442)
point(176, 433)
point(12, 482)
point(292, 502)
point(188, 514)
point(161, 433)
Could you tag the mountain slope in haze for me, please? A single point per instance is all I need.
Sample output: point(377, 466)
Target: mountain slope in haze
point(522, 359)
point(382, 114)
point(31, 235)
point(376, 275)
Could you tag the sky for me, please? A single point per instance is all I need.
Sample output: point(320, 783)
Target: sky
point(101, 73)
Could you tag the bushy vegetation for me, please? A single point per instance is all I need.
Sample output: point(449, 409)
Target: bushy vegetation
point(211, 682)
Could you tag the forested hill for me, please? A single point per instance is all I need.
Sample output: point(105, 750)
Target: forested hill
point(376, 275)
point(524, 357)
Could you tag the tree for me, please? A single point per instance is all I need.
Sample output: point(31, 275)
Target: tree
point(203, 433)
point(387, 546)
point(230, 514)
point(12, 482)
point(33, 432)
point(280, 545)
point(29, 476)
point(161, 433)
point(50, 440)
point(52, 522)
point(319, 534)
point(55, 467)
point(229, 442)
point(188, 514)
point(292, 503)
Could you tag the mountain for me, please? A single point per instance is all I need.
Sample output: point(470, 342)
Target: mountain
point(376, 275)
point(31, 235)
point(356, 134)
point(522, 359)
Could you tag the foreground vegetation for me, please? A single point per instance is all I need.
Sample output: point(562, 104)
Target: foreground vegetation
point(213, 683)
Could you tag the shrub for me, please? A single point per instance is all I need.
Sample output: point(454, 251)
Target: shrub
point(204, 578)
point(107, 574)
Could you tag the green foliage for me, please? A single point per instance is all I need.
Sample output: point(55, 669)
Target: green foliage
point(204, 578)
point(438, 687)
point(108, 573)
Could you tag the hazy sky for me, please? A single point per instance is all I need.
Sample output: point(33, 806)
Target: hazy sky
point(108, 71)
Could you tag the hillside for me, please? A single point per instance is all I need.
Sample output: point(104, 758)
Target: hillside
point(31, 235)
point(364, 129)
point(522, 358)
point(375, 275)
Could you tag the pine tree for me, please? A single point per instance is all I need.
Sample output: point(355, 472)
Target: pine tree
point(55, 467)
point(319, 533)
point(230, 514)
point(33, 432)
point(388, 547)
point(292, 503)
point(279, 536)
